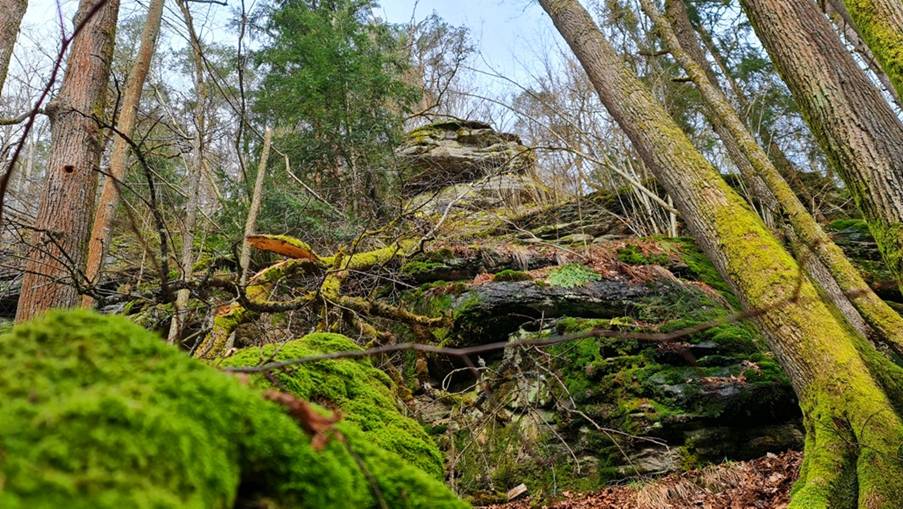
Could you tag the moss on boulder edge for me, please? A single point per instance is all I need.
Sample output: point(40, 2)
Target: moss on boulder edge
point(99, 412)
point(363, 393)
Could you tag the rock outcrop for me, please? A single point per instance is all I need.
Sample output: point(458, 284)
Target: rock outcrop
point(451, 152)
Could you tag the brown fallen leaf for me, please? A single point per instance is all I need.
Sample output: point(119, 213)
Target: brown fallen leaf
point(311, 421)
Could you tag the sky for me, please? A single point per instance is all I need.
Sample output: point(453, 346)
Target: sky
point(511, 36)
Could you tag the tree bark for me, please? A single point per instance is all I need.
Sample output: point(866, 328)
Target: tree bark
point(13, 11)
point(57, 254)
point(837, 12)
point(854, 125)
point(102, 228)
point(810, 235)
point(254, 209)
point(195, 172)
point(850, 455)
point(676, 10)
point(880, 24)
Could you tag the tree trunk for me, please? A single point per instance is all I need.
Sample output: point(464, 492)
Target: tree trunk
point(810, 235)
point(195, 172)
point(880, 24)
point(676, 10)
point(101, 230)
point(254, 209)
point(57, 254)
point(835, 10)
point(853, 430)
point(852, 122)
point(12, 10)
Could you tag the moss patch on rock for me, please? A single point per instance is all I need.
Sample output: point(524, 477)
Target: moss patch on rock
point(364, 394)
point(99, 413)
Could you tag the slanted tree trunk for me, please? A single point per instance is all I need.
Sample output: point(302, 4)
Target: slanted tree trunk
point(57, 254)
point(102, 228)
point(13, 11)
point(837, 12)
point(880, 24)
point(875, 311)
point(853, 430)
point(676, 11)
point(854, 125)
point(254, 209)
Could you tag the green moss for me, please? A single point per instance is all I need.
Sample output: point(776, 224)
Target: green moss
point(511, 275)
point(419, 268)
point(99, 413)
point(703, 269)
point(363, 393)
point(633, 255)
point(572, 275)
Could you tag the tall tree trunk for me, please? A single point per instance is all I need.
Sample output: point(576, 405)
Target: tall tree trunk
point(854, 125)
point(57, 255)
point(880, 24)
point(13, 11)
point(254, 209)
point(875, 311)
point(853, 429)
point(102, 228)
point(195, 173)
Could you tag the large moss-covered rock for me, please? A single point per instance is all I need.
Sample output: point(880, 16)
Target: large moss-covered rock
point(97, 412)
point(455, 151)
point(590, 411)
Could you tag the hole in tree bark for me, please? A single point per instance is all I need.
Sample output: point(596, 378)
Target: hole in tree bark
point(68, 168)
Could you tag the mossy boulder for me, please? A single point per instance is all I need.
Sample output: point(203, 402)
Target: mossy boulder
point(98, 412)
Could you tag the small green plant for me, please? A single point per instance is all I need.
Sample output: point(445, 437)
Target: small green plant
point(572, 275)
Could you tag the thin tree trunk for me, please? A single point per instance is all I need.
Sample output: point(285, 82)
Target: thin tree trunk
point(853, 430)
point(10, 20)
point(854, 125)
point(880, 24)
point(102, 228)
point(254, 209)
point(195, 173)
point(875, 311)
point(57, 254)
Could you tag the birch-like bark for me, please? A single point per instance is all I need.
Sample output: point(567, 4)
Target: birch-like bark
point(254, 209)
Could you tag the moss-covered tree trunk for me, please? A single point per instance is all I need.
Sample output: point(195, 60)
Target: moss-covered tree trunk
point(808, 234)
point(854, 431)
point(854, 125)
point(880, 24)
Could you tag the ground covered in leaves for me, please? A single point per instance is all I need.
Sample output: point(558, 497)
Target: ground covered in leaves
point(757, 484)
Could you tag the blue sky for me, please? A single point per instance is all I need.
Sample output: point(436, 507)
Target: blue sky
point(511, 36)
point(509, 33)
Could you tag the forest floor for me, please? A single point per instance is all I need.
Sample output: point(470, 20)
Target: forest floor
point(756, 484)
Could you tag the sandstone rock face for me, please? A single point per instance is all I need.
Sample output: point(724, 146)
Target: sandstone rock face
point(451, 152)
